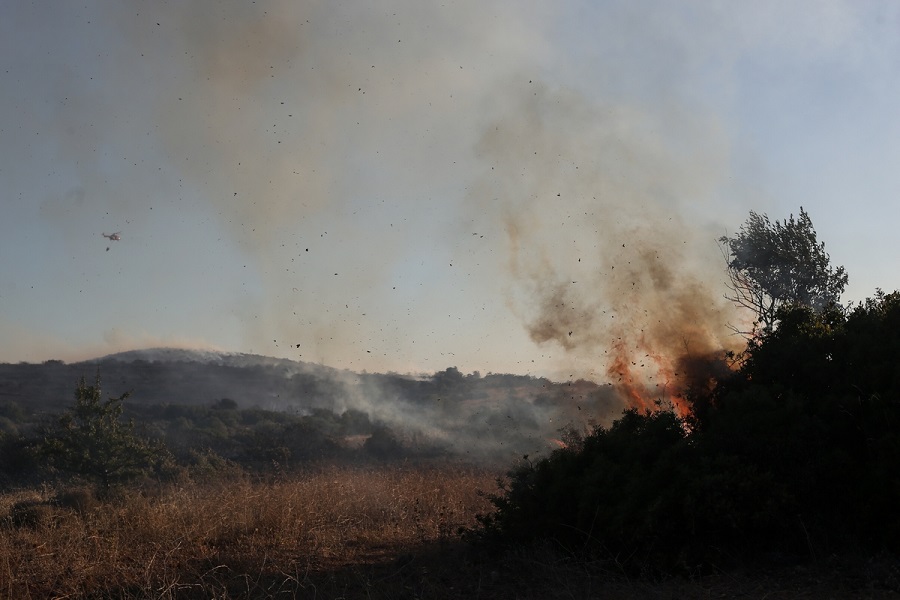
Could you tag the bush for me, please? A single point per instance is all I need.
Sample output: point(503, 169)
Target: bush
point(795, 455)
point(383, 444)
point(90, 441)
point(20, 460)
point(618, 494)
point(32, 514)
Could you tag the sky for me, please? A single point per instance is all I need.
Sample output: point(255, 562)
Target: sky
point(501, 186)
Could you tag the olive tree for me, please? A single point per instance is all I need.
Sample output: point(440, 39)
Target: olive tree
point(771, 265)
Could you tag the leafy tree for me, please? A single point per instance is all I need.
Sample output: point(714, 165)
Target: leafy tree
point(776, 264)
point(90, 440)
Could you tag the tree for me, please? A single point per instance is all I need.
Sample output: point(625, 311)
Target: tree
point(771, 265)
point(91, 441)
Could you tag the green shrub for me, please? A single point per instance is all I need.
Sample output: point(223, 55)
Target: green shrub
point(91, 441)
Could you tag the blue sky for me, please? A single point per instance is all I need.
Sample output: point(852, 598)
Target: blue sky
point(409, 186)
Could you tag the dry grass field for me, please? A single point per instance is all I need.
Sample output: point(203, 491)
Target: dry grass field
point(234, 538)
point(385, 532)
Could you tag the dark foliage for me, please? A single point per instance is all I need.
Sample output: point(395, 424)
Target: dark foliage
point(91, 441)
point(20, 460)
point(774, 265)
point(383, 444)
point(612, 495)
point(110, 442)
point(795, 455)
point(818, 407)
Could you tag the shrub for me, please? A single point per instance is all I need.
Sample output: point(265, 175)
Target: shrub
point(32, 514)
point(91, 441)
point(796, 454)
point(383, 444)
point(615, 495)
point(19, 459)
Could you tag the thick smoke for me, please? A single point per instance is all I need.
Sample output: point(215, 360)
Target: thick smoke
point(298, 129)
point(603, 262)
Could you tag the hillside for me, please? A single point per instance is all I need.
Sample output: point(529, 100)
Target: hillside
point(496, 415)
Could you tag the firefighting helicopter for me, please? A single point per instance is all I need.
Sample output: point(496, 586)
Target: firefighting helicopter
point(113, 236)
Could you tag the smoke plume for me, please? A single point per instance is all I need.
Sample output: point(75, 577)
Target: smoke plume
point(602, 262)
point(382, 186)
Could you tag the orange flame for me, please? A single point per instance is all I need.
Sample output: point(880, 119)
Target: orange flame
point(633, 370)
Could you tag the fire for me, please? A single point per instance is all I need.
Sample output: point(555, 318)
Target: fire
point(633, 370)
point(623, 377)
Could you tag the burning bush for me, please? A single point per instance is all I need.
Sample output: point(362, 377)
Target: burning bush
point(795, 455)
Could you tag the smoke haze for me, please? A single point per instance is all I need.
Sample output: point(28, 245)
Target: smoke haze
point(603, 262)
point(396, 186)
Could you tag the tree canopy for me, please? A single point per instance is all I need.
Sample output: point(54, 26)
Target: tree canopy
point(775, 264)
point(91, 441)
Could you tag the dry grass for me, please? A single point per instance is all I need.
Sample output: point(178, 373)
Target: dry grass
point(340, 532)
point(235, 538)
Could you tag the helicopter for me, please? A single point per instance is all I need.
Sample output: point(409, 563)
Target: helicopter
point(113, 236)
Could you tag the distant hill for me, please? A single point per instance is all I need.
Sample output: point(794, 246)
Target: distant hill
point(168, 355)
point(495, 412)
point(209, 357)
point(162, 376)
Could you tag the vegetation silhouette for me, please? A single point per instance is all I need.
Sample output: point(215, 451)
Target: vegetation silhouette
point(775, 264)
point(792, 457)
